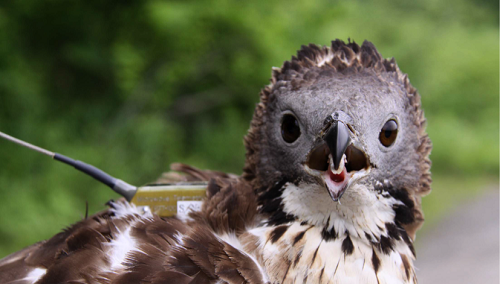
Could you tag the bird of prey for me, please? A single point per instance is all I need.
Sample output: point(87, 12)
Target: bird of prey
point(336, 165)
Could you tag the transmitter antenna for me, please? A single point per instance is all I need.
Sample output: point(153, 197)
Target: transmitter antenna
point(119, 186)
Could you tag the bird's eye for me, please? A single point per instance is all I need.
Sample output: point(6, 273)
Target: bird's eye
point(290, 129)
point(388, 133)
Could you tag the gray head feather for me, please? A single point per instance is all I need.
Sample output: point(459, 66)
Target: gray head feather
point(369, 89)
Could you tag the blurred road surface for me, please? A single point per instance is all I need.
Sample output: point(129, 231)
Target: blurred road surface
point(464, 247)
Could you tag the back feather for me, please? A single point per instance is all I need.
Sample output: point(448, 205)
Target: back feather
point(119, 245)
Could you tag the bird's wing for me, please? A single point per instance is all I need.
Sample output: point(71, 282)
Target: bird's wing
point(124, 245)
point(28, 264)
point(14, 265)
point(182, 172)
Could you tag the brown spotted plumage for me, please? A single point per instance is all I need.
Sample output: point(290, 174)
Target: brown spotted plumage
point(336, 165)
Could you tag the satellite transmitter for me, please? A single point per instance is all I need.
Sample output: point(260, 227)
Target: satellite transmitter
point(162, 199)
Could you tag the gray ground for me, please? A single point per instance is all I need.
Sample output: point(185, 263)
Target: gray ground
point(464, 246)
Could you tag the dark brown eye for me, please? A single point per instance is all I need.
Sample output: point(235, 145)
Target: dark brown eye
point(290, 129)
point(388, 133)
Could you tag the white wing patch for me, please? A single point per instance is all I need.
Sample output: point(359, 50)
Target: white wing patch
point(121, 209)
point(123, 243)
point(119, 247)
point(33, 276)
point(232, 240)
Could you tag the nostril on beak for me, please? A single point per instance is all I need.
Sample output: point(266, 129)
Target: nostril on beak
point(337, 138)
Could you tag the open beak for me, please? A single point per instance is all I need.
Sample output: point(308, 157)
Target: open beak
point(335, 159)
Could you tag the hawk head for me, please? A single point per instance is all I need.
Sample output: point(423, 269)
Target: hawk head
point(339, 136)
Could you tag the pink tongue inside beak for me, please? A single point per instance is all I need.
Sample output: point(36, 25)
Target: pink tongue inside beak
point(337, 178)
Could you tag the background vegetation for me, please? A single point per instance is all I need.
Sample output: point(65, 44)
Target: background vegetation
point(132, 86)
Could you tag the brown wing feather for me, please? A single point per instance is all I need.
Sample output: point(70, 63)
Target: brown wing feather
point(186, 173)
point(168, 250)
point(46, 253)
point(224, 268)
point(231, 206)
point(172, 276)
point(214, 259)
point(245, 267)
point(14, 265)
point(71, 267)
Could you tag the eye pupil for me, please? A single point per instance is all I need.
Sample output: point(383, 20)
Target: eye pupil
point(388, 133)
point(290, 129)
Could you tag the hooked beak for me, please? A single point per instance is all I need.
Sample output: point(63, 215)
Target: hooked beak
point(337, 138)
point(335, 159)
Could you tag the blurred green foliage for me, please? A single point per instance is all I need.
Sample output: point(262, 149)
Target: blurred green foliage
point(132, 86)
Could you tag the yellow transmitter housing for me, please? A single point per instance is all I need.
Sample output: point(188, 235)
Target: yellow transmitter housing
point(171, 199)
